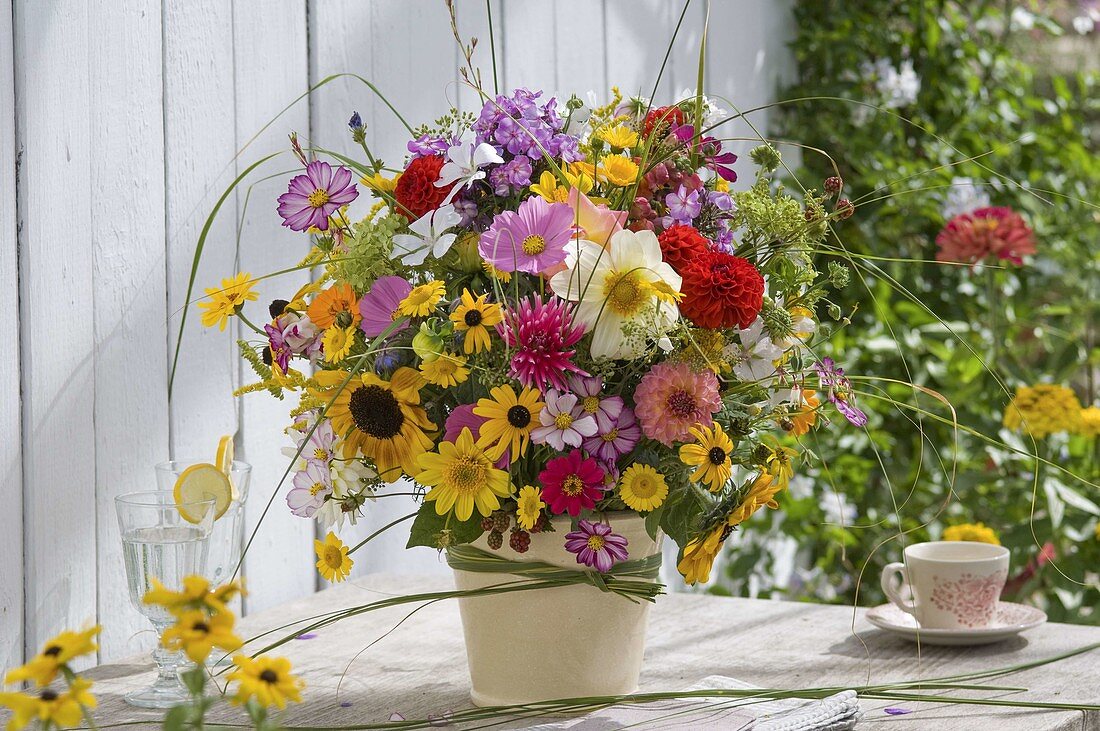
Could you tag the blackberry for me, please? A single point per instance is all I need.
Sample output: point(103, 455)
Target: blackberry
point(844, 209)
point(501, 521)
point(542, 524)
point(495, 540)
point(486, 524)
point(833, 184)
point(520, 541)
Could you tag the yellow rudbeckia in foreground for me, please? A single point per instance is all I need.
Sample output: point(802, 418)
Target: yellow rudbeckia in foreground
point(196, 594)
point(44, 667)
point(698, 556)
point(511, 419)
point(462, 477)
point(710, 455)
point(267, 679)
point(48, 707)
point(225, 302)
point(196, 634)
point(760, 494)
point(333, 561)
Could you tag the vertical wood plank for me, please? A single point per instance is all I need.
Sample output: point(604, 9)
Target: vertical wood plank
point(56, 307)
point(131, 407)
point(473, 21)
point(11, 467)
point(556, 47)
point(637, 33)
point(271, 65)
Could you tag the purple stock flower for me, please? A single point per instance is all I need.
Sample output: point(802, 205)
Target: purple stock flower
point(596, 546)
point(683, 205)
point(313, 197)
point(840, 391)
point(514, 174)
point(608, 445)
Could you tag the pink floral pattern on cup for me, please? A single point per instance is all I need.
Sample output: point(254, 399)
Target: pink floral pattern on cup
point(972, 599)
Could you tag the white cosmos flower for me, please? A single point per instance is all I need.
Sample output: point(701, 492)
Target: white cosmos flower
point(427, 236)
point(754, 357)
point(628, 283)
point(464, 163)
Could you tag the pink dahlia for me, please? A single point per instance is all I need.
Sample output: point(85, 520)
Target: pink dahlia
point(596, 546)
point(995, 231)
point(378, 307)
point(542, 334)
point(572, 483)
point(312, 198)
point(672, 398)
point(530, 239)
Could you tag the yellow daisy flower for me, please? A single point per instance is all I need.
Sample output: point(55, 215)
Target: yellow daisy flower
point(710, 455)
point(1090, 422)
point(780, 466)
point(333, 562)
point(760, 494)
point(474, 317)
point(511, 420)
point(642, 488)
point(463, 477)
point(196, 594)
point(529, 506)
point(698, 556)
point(978, 532)
point(379, 183)
point(44, 667)
point(50, 708)
point(447, 370)
point(227, 301)
point(619, 170)
point(549, 189)
point(498, 274)
point(619, 136)
point(337, 343)
point(1043, 410)
point(422, 299)
point(196, 634)
point(267, 679)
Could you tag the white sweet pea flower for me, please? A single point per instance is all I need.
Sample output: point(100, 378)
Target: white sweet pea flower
point(464, 163)
point(754, 358)
point(427, 236)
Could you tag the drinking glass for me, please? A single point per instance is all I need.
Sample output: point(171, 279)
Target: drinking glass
point(167, 542)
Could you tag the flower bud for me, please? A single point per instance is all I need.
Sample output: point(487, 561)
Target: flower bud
point(427, 344)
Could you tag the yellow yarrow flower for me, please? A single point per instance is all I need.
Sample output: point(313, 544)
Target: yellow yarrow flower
point(56, 652)
point(337, 342)
point(529, 506)
point(1089, 425)
point(227, 301)
point(422, 299)
point(267, 679)
point(1043, 410)
point(333, 561)
point(977, 532)
point(619, 170)
point(196, 633)
point(462, 477)
point(447, 370)
point(50, 708)
point(710, 455)
point(642, 488)
point(619, 136)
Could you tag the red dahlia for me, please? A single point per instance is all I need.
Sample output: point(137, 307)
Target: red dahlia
point(665, 118)
point(416, 193)
point(721, 290)
point(680, 244)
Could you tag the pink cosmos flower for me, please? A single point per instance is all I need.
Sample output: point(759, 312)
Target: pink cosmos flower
point(572, 483)
point(563, 422)
point(596, 546)
point(311, 486)
point(312, 198)
point(672, 398)
point(542, 334)
point(994, 231)
point(606, 409)
point(530, 239)
point(379, 306)
point(463, 417)
point(608, 445)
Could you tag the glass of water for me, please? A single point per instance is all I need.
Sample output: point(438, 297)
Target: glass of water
point(167, 542)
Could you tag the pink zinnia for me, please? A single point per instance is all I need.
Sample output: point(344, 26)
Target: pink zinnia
point(996, 231)
point(596, 546)
point(312, 198)
point(542, 334)
point(672, 398)
point(379, 306)
point(463, 417)
point(530, 239)
point(563, 422)
point(572, 483)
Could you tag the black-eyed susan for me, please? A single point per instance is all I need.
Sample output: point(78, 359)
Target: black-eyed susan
point(510, 420)
point(337, 343)
point(761, 493)
point(447, 370)
point(381, 419)
point(642, 487)
point(49, 707)
point(196, 594)
point(780, 464)
point(196, 633)
point(462, 477)
point(333, 562)
point(474, 317)
point(422, 299)
point(529, 506)
point(267, 679)
point(498, 274)
point(58, 651)
point(225, 302)
point(710, 455)
point(698, 556)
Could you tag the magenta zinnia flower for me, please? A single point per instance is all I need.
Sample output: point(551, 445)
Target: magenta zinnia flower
point(563, 422)
point(542, 334)
point(572, 483)
point(596, 546)
point(530, 239)
point(672, 398)
point(379, 306)
point(995, 231)
point(608, 445)
point(312, 198)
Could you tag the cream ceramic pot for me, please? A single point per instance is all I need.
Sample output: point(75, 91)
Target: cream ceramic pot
point(565, 642)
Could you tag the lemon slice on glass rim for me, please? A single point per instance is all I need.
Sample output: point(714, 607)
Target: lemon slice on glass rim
point(224, 462)
point(198, 482)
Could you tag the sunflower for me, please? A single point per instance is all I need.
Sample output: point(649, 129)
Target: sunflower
point(462, 476)
point(529, 506)
point(698, 556)
point(268, 679)
point(475, 317)
point(196, 634)
point(44, 667)
point(337, 304)
point(447, 370)
point(710, 455)
point(50, 708)
point(333, 561)
point(228, 300)
point(422, 299)
point(381, 419)
point(642, 488)
point(510, 420)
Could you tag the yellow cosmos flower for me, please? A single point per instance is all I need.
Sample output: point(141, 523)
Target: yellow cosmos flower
point(780, 466)
point(447, 370)
point(379, 183)
point(698, 556)
point(619, 170)
point(710, 455)
point(196, 594)
point(806, 416)
point(337, 343)
point(1043, 410)
point(463, 477)
point(196, 634)
point(267, 679)
point(619, 136)
point(529, 506)
point(1090, 422)
point(422, 299)
point(760, 494)
point(511, 420)
point(44, 667)
point(50, 708)
point(978, 532)
point(333, 561)
point(227, 301)
point(474, 317)
point(642, 488)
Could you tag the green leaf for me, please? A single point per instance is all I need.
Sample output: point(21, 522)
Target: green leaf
point(681, 514)
point(427, 527)
point(177, 718)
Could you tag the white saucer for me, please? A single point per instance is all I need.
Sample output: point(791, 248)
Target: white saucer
point(1011, 619)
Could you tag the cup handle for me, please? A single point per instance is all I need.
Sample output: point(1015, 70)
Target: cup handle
point(893, 588)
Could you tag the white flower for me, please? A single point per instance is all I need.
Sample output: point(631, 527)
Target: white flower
point(962, 197)
point(1021, 19)
point(627, 283)
point(349, 477)
point(753, 359)
point(427, 236)
point(464, 163)
point(712, 113)
point(899, 87)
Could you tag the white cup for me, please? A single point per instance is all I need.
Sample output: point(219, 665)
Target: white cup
point(948, 584)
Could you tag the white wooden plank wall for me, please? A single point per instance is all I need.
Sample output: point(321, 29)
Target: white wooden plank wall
point(123, 121)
